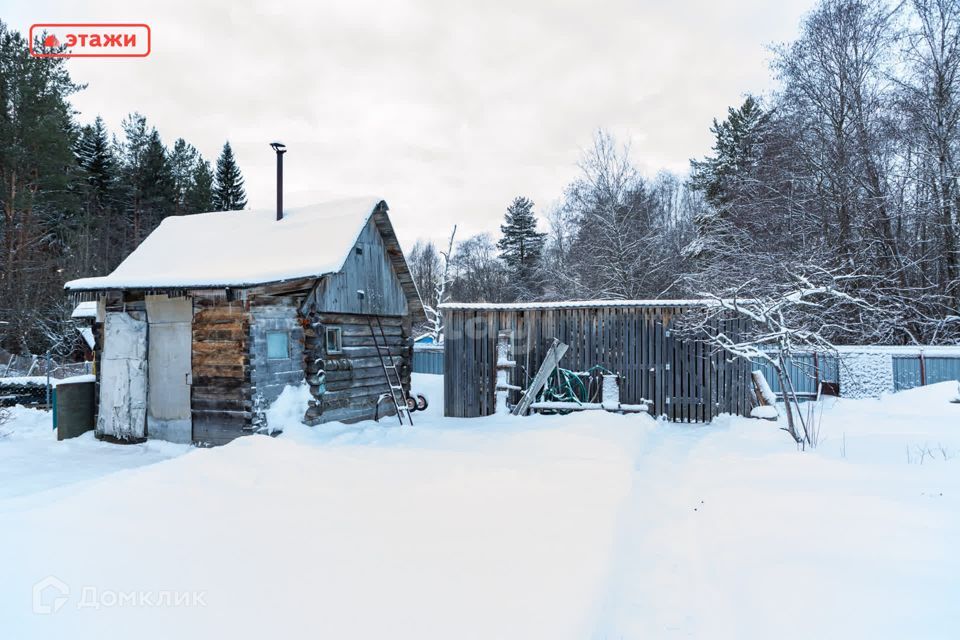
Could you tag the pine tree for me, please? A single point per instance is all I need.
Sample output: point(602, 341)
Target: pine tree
point(199, 196)
point(39, 189)
point(521, 245)
point(228, 192)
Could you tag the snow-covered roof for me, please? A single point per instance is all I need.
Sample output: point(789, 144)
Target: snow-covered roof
point(86, 309)
point(576, 304)
point(237, 248)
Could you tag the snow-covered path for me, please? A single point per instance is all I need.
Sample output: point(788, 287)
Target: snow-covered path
point(731, 534)
point(589, 525)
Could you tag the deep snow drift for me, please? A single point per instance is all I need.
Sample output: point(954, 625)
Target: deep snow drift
point(588, 525)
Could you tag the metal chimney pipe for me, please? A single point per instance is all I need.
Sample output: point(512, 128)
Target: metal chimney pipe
point(281, 149)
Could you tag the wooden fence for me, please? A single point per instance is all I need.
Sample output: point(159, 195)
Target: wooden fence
point(683, 379)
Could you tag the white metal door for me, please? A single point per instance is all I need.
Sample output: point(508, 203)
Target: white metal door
point(123, 377)
point(168, 415)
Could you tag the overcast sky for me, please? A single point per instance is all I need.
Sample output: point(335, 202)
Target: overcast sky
point(446, 109)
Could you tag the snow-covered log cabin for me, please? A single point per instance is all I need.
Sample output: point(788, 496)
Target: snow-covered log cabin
point(202, 326)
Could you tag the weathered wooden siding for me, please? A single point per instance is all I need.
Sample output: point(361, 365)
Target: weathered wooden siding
point(682, 378)
point(399, 262)
point(354, 380)
point(220, 399)
point(371, 271)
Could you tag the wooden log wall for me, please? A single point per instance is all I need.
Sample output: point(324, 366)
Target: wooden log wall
point(354, 379)
point(221, 398)
point(681, 378)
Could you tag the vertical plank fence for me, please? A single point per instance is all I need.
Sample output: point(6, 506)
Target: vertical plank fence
point(683, 379)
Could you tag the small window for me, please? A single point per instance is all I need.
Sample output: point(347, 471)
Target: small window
point(359, 250)
point(334, 340)
point(278, 347)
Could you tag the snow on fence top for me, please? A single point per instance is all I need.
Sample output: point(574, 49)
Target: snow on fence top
point(902, 350)
point(41, 381)
point(575, 304)
point(239, 248)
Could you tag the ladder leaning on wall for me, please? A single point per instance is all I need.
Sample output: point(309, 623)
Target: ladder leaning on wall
point(391, 372)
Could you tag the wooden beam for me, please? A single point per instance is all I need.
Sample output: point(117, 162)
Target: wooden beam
point(550, 362)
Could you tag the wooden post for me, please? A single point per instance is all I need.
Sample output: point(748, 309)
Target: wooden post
point(610, 396)
point(504, 364)
point(816, 371)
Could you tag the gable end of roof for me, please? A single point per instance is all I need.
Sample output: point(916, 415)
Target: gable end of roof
point(399, 261)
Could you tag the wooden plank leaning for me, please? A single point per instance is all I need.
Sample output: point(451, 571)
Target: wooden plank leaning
point(550, 362)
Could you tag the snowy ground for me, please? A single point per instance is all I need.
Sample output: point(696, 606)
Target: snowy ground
point(589, 525)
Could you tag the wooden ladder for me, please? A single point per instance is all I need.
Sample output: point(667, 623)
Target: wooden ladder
point(391, 372)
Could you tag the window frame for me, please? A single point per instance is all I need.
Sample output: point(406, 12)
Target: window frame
point(338, 332)
point(286, 342)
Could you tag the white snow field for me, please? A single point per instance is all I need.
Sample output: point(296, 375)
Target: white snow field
point(590, 525)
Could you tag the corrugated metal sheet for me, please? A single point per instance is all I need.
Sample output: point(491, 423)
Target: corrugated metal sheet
point(428, 359)
point(942, 369)
point(909, 372)
point(805, 370)
point(906, 372)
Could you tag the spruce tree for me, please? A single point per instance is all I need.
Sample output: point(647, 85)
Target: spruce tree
point(727, 175)
point(737, 149)
point(159, 196)
point(199, 196)
point(147, 188)
point(95, 157)
point(228, 192)
point(131, 151)
point(183, 160)
point(96, 244)
point(521, 245)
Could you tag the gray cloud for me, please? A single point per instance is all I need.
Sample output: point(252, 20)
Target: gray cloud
point(447, 109)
